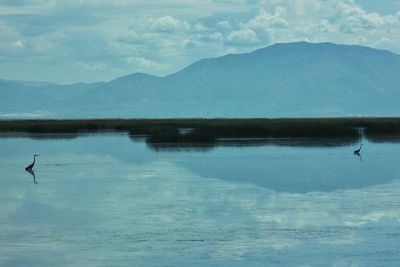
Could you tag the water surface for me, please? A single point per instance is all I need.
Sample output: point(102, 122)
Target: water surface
point(113, 200)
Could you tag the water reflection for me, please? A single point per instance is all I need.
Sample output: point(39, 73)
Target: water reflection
point(291, 165)
point(290, 142)
point(259, 204)
point(138, 138)
point(180, 147)
point(234, 142)
point(32, 172)
point(384, 139)
point(43, 136)
point(359, 156)
point(250, 142)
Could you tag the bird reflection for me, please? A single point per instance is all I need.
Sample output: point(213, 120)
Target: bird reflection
point(359, 156)
point(32, 172)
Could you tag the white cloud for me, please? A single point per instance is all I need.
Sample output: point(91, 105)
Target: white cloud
point(340, 21)
point(242, 37)
point(224, 25)
point(307, 7)
point(97, 66)
point(167, 24)
point(18, 44)
point(199, 27)
point(265, 20)
point(210, 37)
point(353, 18)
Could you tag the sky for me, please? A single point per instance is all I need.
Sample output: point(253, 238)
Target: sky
point(97, 40)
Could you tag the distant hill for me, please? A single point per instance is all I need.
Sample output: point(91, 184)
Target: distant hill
point(283, 80)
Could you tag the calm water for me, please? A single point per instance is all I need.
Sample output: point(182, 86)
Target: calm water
point(111, 200)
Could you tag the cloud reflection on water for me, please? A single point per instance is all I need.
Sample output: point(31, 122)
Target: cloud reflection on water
point(149, 213)
point(100, 203)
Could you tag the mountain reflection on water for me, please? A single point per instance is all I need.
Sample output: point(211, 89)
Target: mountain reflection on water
point(108, 199)
point(202, 146)
point(280, 164)
point(254, 142)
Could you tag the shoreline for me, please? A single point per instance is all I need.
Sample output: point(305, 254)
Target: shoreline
point(210, 130)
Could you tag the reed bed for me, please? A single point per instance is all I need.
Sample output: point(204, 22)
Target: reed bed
point(209, 130)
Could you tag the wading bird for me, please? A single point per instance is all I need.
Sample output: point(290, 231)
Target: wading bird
point(30, 167)
point(358, 150)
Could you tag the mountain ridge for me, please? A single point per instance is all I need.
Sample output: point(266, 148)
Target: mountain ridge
point(282, 80)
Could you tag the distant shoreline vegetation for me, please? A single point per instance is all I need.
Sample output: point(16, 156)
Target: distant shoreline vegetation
point(211, 130)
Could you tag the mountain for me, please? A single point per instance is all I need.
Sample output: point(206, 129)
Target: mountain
point(16, 97)
point(25, 99)
point(283, 80)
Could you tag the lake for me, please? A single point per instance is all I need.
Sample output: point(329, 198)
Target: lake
point(113, 200)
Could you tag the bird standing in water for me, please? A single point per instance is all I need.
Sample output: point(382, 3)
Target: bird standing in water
point(30, 167)
point(358, 150)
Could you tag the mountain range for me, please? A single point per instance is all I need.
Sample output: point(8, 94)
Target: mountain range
point(283, 80)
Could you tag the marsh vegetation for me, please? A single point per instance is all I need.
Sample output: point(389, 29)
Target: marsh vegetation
point(211, 130)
